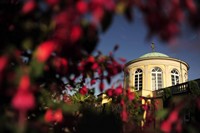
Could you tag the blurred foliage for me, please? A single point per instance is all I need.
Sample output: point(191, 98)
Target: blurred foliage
point(49, 71)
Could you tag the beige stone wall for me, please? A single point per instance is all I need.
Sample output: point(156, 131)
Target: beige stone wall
point(167, 65)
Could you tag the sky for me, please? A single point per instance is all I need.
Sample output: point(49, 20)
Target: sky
point(132, 40)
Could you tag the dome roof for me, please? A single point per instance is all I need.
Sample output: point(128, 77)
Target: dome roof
point(153, 54)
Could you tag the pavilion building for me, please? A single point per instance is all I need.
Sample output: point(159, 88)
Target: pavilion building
point(153, 71)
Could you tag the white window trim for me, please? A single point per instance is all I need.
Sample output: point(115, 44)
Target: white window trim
point(138, 74)
point(156, 78)
point(174, 75)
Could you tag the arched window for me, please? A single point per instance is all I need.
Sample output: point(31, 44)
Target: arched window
point(156, 78)
point(138, 79)
point(175, 77)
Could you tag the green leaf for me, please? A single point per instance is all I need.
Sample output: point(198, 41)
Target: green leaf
point(70, 108)
point(160, 114)
point(27, 43)
point(36, 68)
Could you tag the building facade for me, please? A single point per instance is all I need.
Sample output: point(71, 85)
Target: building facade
point(153, 71)
point(162, 82)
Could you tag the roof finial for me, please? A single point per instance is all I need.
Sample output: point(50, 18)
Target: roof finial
point(153, 47)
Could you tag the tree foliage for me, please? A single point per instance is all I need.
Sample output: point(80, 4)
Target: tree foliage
point(47, 51)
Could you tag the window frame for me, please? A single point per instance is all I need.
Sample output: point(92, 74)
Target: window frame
point(156, 78)
point(139, 83)
point(175, 77)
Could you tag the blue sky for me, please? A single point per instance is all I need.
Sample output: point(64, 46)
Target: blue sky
point(131, 38)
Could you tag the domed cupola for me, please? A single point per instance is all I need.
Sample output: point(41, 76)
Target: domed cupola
point(153, 71)
point(153, 54)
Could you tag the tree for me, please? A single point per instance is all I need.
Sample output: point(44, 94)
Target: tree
point(47, 47)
